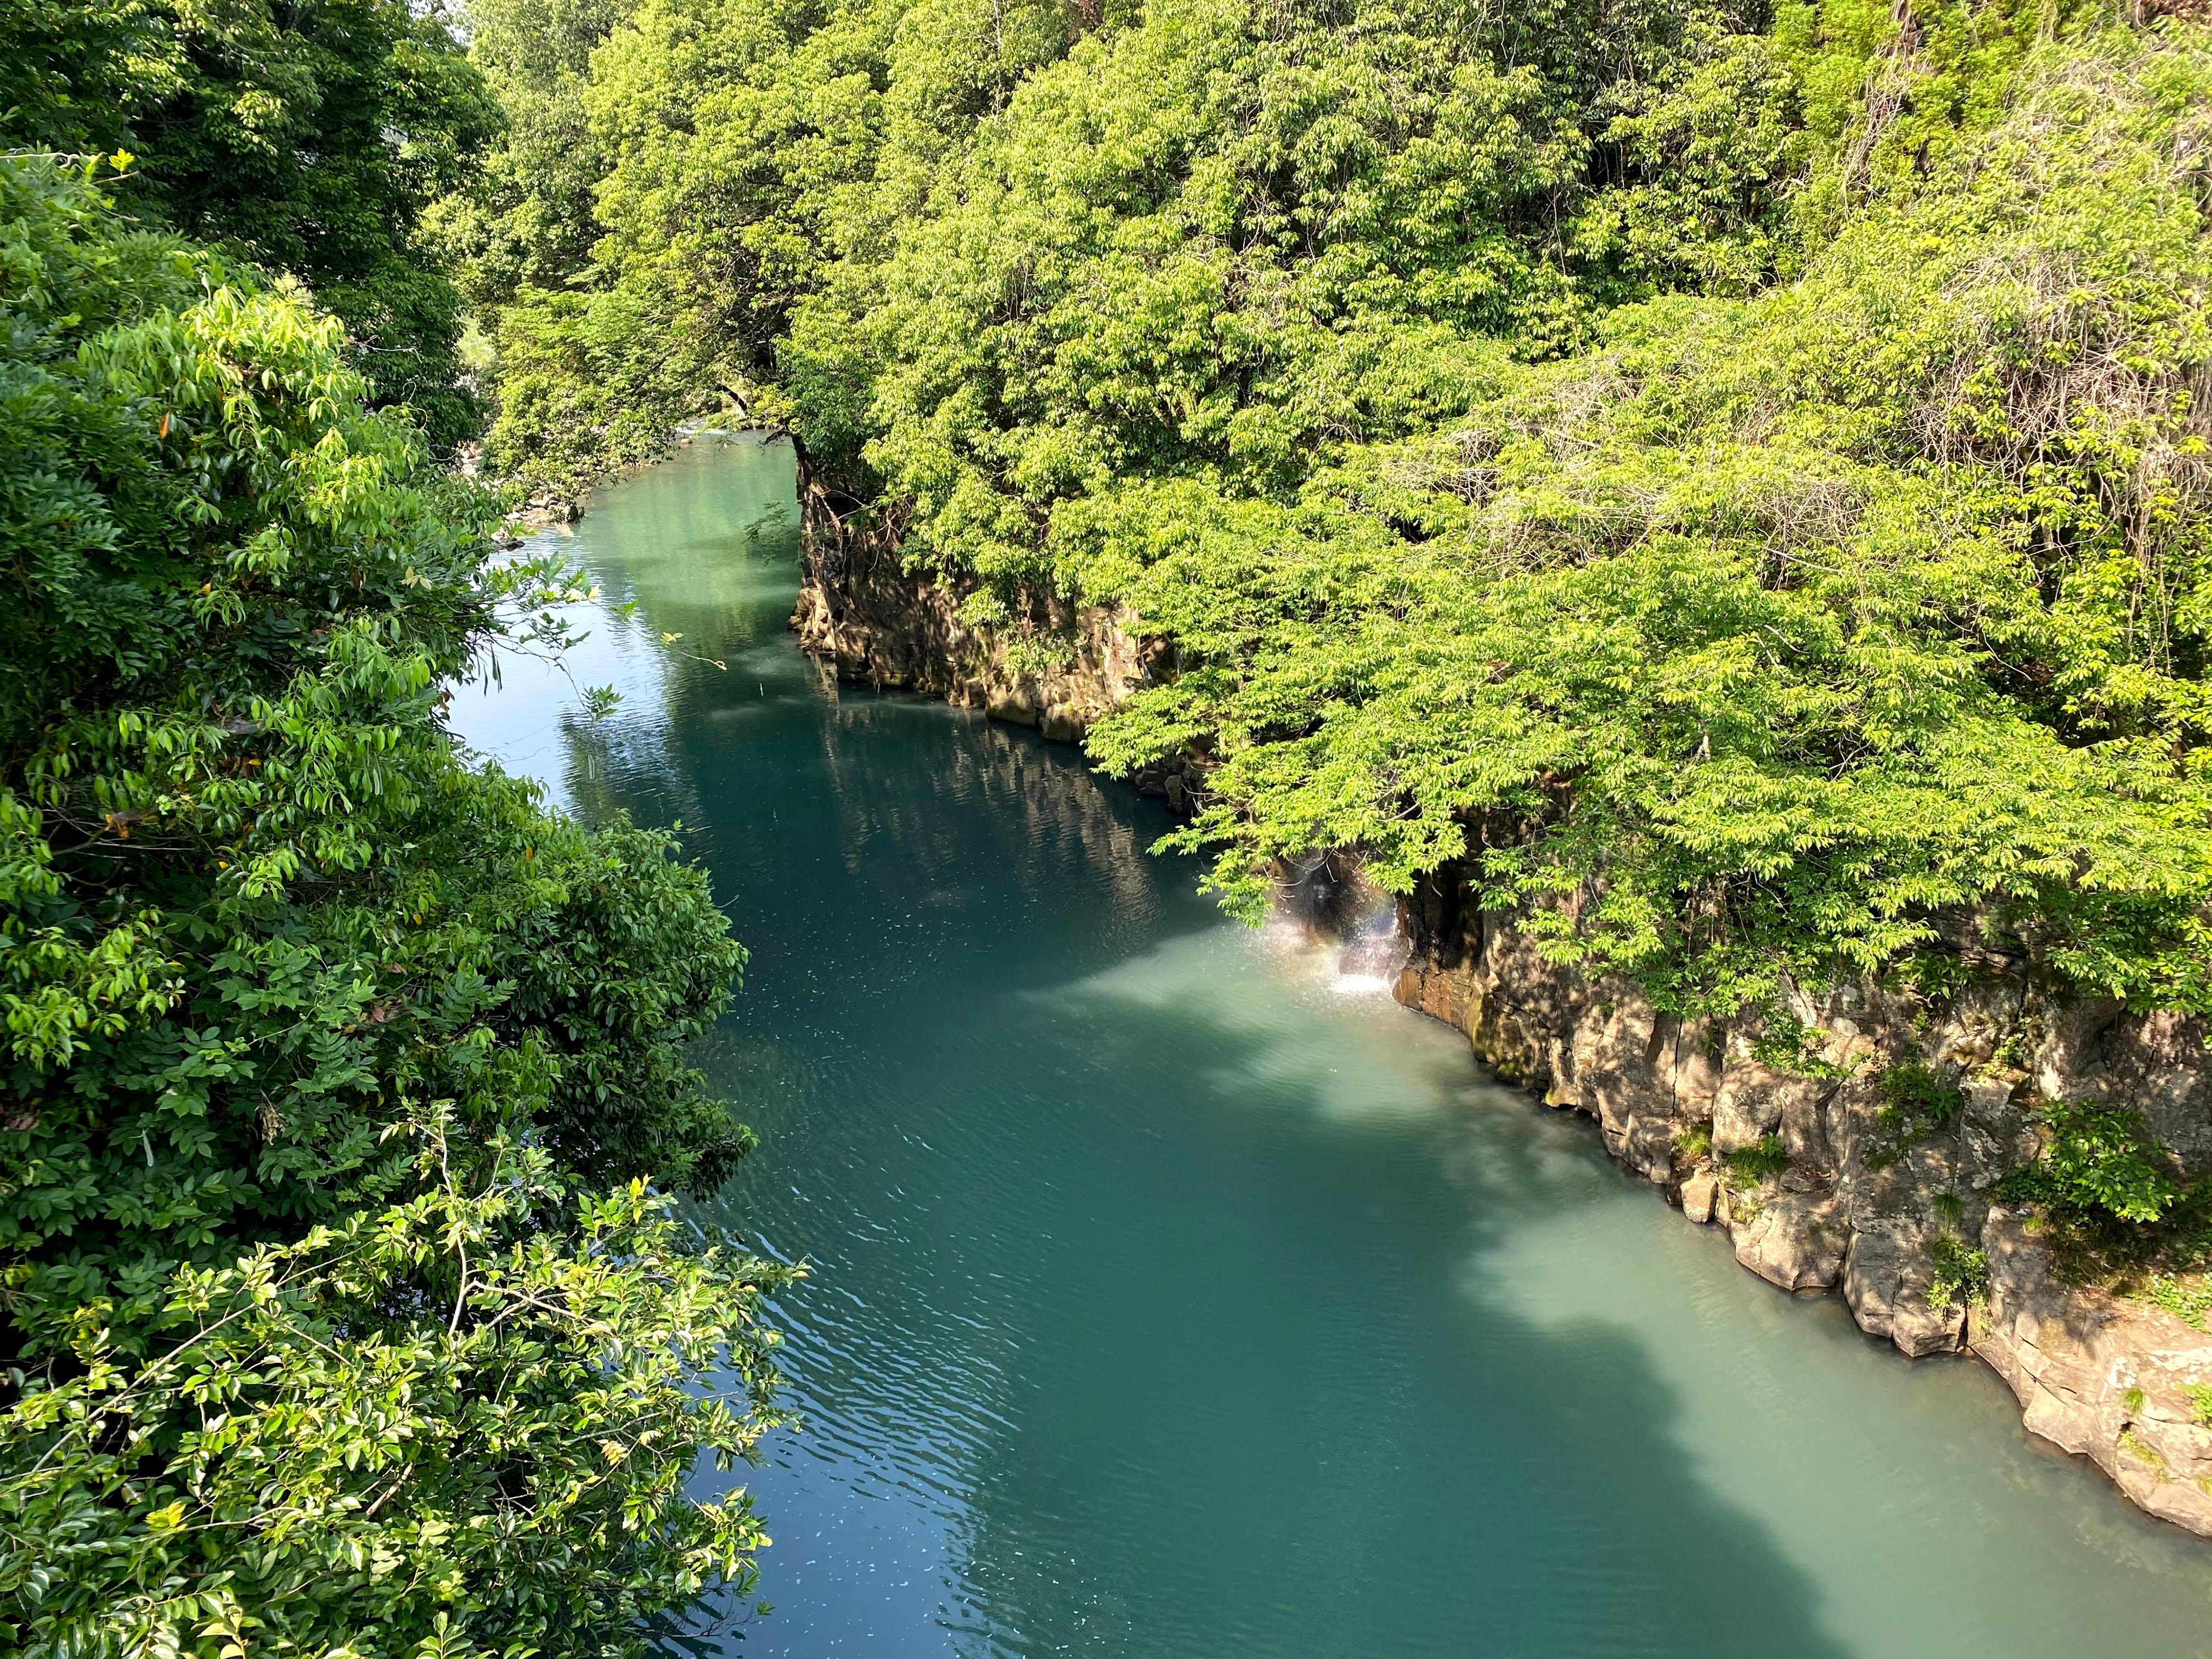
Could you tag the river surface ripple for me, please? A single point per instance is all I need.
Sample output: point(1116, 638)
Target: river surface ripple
point(1176, 1296)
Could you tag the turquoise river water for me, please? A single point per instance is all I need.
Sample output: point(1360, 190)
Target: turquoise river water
point(1177, 1294)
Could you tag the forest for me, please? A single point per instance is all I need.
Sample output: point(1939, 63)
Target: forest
point(1732, 477)
point(1735, 477)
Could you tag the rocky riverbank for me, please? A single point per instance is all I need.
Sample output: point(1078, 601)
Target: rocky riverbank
point(1796, 1143)
point(1854, 1145)
point(860, 609)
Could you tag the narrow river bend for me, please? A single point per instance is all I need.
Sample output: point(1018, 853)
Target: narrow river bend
point(1178, 1297)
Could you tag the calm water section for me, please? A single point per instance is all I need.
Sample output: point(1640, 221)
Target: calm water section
point(1175, 1297)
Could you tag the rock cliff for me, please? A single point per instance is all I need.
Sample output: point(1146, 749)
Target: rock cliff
point(880, 625)
point(1792, 1140)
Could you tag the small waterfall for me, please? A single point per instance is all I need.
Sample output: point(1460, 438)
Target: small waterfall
point(1373, 956)
point(1324, 901)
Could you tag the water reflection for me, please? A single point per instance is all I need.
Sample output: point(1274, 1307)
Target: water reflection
point(1172, 1301)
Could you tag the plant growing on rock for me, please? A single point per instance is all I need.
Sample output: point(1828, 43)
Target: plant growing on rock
point(1761, 1162)
point(2142, 1451)
point(2199, 1396)
point(2110, 1204)
point(2100, 1163)
point(1961, 1276)
point(2187, 1298)
point(1785, 1044)
point(1915, 1104)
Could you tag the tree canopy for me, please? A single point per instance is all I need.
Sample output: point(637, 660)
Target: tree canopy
point(311, 140)
point(1728, 478)
point(345, 1083)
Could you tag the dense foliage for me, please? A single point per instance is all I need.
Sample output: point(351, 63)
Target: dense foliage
point(1751, 640)
point(1730, 480)
point(342, 1080)
point(2114, 1207)
point(794, 193)
point(311, 139)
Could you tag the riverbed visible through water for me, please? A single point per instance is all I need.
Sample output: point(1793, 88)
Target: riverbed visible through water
point(1176, 1295)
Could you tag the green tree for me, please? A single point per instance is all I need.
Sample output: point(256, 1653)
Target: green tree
point(747, 156)
point(799, 200)
point(310, 140)
point(522, 217)
point(324, 1049)
point(1756, 639)
point(66, 70)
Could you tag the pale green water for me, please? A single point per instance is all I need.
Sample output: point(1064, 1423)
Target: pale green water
point(1177, 1298)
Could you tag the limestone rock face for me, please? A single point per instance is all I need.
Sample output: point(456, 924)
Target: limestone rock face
point(863, 614)
point(2099, 1376)
point(1863, 1200)
point(1887, 1277)
point(1796, 1242)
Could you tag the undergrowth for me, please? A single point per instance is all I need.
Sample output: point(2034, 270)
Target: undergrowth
point(1962, 1273)
point(2112, 1208)
point(1917, 1104)
point(1761, 1162)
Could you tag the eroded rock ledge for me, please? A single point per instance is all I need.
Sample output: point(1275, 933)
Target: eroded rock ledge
point(862, 611)
point(1860, 1206)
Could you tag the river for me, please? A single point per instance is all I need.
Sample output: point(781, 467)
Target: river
point(1176, 1296)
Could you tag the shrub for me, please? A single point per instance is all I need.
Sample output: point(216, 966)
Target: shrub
point(2199, 1396)
point(1761, 1162)
point(1962, 1275)
point(1915, 1105)
point(2101, 1163)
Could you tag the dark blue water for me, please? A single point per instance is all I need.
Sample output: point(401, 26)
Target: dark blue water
point(1176, 1295)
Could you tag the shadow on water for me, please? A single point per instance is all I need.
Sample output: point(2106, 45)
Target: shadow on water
point(1171, 1302)
point(1251, 1402)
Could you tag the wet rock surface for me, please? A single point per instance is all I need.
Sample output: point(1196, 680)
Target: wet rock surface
point(861, 612)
